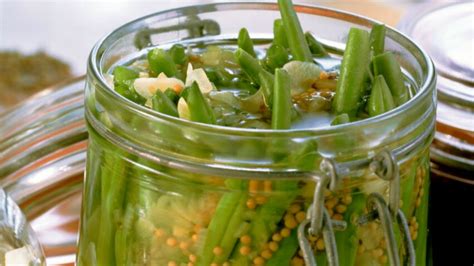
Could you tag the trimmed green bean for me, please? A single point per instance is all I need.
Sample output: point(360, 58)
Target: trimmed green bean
point(218, 226)
point(340, 119)
point(279, 35)
point(161, 62)
point(163, 104)
point(199, 108)
point(172, 95)
point(386, 65)
point(294, 33)
point(281, 111)
point(347, 241)
point(381, 99)
point(276, 57)
point(123, 73)
point(377, 39)
point(316, 48)
point(178, 53)
point(245, 42)
point(353, 73)
point(250, 65)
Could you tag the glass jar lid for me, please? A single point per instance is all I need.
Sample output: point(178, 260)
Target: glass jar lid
point(446, 32)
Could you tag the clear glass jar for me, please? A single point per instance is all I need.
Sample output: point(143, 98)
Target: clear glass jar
point(18, 242)
point(164, 191)
point(42, 159)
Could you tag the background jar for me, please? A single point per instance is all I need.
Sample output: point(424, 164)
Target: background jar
point(168, 191)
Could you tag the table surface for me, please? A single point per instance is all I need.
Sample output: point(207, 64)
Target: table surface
point(69, 29)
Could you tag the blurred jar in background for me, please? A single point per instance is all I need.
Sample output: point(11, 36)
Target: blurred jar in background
point(446, 32)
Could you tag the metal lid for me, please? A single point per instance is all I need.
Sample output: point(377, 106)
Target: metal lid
point(446, 32)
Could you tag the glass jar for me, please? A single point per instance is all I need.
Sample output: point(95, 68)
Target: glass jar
point(164, 191)
point(18, 243)
point(445, 31)
point(42, 161)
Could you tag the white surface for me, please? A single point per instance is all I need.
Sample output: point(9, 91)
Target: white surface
point(69, 29)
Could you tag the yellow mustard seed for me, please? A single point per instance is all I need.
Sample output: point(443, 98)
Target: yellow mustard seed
point(291, 222)
point(194, 237)
point(285, 232)
point(258, 261)
point(172, 263)
point(251, 203)
point(217, 251)
point(192, 258)
point(347, 199)
point(266, 254)
point(159, 232)
point(341, 208)
point(338, 217)
point(246, 239)
point(297, 261)
point(253, 186)
point(276, 237)
point(273, 246)
point(245, 250)
point(300, 216)
point(171, 241)
point(320, 244)
point(214, 264)
point(184, 245)
point(226, 263)
point(294, 208)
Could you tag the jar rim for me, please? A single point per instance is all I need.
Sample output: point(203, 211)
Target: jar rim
point(96, 53)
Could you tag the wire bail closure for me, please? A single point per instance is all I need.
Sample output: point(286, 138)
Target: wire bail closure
point(318, 217)
point(386, 167)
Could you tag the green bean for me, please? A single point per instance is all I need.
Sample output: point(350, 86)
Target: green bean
point(219, 76)
point(316, 48)
point(279, 35)
point(267, 81)
point(281, 111)
point(123, 73)
point(123, 84)
point(340, 119)
point(178, 53)
point(228, 204)
point(347, 241)
point(250, 65)
point(377, 39)
point(163, 104)
point(161, 62)
point(112, 195)
point(199, 108)
point(172, 95)
point(276, 57)
point(296, 40)
point(381, 99)
point(245, 42)
point(353, 73)
point(286, 250)
point(386, 65)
